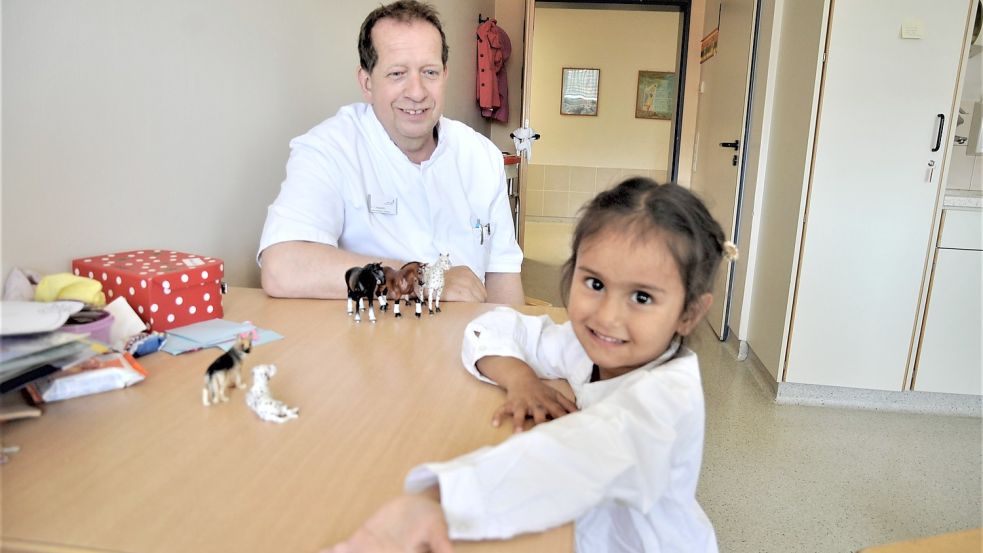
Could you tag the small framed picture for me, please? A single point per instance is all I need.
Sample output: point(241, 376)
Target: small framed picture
point(578, 92)
point(656, 97)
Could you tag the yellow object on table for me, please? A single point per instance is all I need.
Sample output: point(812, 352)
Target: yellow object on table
point(66, 286)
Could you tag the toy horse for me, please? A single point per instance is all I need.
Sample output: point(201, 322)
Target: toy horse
point(227, 370)
point(363, 282)
point(401, 285)
point(262, 402)
point(432, 281)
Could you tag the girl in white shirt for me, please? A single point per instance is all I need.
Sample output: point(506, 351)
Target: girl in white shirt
point(623, 462)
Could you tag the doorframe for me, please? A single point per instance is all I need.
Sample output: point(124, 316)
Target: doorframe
point(684, 6)
point(742, 170)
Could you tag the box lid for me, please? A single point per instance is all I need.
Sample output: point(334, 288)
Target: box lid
point(164, 268)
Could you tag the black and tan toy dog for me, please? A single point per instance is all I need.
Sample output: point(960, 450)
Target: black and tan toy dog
point(226, 371)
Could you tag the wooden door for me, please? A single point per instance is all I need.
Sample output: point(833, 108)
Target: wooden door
point(720, 126)
point(890, 80)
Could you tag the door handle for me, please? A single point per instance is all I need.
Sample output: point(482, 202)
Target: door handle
point(938, 139)
point(735, 144)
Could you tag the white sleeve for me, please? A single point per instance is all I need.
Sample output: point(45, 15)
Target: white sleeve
point(505, 332)
point(310, 206)
point(618, 450)
point(506, 256)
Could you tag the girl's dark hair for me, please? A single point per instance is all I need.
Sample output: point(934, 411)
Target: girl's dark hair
point(644, 207)
point(404, 11)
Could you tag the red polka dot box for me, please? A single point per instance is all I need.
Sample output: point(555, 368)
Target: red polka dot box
point(167, 289)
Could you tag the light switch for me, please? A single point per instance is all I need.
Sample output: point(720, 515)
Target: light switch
point(912, 27)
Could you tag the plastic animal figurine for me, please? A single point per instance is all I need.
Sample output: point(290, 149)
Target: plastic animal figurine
point(432, 281)
point(262, 402)
point(363, 282)
point(401, 284)
point(226, 371)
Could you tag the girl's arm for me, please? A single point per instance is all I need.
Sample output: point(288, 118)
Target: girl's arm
point(515, 351)
point(625, 449)
point(526, 395)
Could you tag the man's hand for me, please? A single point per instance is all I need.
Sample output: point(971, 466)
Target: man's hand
point(409, 523)
point(461, 284)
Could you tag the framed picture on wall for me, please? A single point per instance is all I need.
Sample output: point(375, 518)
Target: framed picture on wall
point(578, 91)
point(656, 97)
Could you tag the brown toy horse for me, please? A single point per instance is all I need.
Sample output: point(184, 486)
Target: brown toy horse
point(401, 285)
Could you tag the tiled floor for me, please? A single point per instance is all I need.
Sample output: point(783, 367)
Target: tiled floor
point(811, 479)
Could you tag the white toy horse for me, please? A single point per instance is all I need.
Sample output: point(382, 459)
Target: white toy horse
point(432, 280)
point(259, 399)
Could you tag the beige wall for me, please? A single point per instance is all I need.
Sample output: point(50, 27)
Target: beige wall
point(511, 15)
point(139, 124)
point(619, 43)
point(557, 192)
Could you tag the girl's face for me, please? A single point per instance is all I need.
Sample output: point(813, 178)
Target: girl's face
point(626, 300)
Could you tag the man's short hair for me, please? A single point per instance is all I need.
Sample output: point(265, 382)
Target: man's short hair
point(404, 11)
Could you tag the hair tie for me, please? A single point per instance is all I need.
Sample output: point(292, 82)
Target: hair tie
point(730, 251)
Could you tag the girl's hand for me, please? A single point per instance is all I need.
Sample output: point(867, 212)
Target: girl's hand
point(409, 523)
point(531, 398)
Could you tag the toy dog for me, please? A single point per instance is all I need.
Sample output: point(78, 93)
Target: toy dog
point(261, 401)
point(227, 370)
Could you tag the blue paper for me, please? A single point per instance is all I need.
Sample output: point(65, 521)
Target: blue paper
point(218, 333)
point(211, 331)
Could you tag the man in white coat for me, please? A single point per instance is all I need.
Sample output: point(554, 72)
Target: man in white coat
point(392, 180)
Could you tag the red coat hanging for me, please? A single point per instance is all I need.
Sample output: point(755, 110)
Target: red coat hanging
point(492, 87)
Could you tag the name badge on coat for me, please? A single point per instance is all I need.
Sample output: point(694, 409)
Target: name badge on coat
point(385, 205)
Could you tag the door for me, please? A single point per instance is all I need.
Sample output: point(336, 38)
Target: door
point(888, 96)
point(720, 127)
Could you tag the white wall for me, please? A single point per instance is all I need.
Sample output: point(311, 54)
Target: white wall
point(139, 124)
point(795, 53)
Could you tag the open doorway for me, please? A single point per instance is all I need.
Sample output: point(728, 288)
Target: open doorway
point(626, 123)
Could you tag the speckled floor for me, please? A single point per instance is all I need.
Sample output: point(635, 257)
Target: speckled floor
point(786, 478)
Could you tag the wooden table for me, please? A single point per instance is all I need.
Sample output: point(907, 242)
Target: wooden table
point(150, 469)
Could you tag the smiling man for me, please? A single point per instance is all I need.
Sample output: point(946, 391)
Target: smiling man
point(392, 180)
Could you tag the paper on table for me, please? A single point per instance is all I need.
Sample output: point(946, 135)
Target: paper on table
point(212, 333)
point(28, 317)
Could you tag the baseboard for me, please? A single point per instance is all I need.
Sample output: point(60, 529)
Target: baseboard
point(791, 393)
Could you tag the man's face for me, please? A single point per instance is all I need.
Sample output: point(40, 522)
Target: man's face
point(406, 87)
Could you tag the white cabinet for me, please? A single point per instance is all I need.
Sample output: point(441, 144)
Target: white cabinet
point(872, 196)
point(949, 359)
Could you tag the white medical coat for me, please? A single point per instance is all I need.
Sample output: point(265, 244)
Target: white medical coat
point(624, 467)
point(348, 185)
